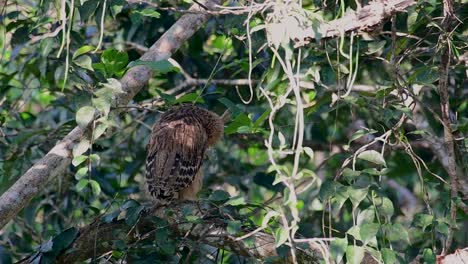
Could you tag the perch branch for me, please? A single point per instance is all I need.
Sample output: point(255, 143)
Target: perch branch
point(57, 160)
point(98, 238)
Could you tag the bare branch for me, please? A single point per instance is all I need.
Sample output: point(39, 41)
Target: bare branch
point(363, 19)
point(56, 161)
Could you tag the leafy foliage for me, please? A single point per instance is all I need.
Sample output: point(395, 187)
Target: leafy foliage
point(357, 170)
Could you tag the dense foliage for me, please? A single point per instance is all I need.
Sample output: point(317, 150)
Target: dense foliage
point(332, 141)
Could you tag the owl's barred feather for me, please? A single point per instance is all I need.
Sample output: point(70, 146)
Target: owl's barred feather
point(176, 150)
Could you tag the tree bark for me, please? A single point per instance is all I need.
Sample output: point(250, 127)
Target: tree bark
point(363, 19)
point(57, 160)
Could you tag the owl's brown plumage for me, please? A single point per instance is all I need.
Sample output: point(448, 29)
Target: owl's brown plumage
point(176, 150)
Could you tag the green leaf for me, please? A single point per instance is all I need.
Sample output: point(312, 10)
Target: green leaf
point(148, 12)
point(116, 6)
point(99, 130)
point(81, 184)
point(387, 208)
point(354, 254)
point(190, 97)
point(162, 66)
point(351, 174)
point(110, 217)
point(355, 231)
point(281, 236)
point(133, 213)
point(114, 62)
point(442, 228)
point(95, 187)
point(357, 195)
point(240, 120)
point(169, 99)
point(77, 160)
point(129, 203)
point(233, 227)
point(240, 200)
point(388, 255)
point(102, 104)
point(360, 133)
point(87, 9)
point(368, 231)
point(281, 139)
point(309, 152)
point(81, 173)
point(423, 220)
point(84, 62)
point(81, 147)
point(110, 89)
point(338, 248)
point(262, 118)
point(235, 111)
point(366, 216)
point(372, 156)
point(219, 197)
point(168, 247)
point(429, 256)
point(64, 239)
point(397, 232)
point(47, 246)
point(84, 116)
point(95, 159)
point(327, 189)
point(374, 47)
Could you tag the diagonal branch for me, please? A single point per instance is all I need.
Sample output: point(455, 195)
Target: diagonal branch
point(57, 160)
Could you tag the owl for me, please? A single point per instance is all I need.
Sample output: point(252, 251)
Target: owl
point(176, 150)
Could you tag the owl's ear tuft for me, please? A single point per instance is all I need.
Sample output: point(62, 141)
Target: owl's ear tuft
point(226, 116)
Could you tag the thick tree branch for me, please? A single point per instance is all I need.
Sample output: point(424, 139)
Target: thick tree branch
point(363, 19)
point(445, 112)
point(56, 161)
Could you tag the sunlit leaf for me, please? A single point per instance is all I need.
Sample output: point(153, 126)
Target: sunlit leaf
point(354, 254)
point(389, 256)
point(368, 231)
point(77, 160)
point(81, 147)
point(281, 236)
point(95, 187)
point(81, 185)
point(81, 173)
point(84, 116)
point(372, 156)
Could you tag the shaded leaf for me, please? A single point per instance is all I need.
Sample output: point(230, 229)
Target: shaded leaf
point(372, 156)
point(338, 248)
point(354, 254)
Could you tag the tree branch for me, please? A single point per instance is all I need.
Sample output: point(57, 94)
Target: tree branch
point(445, 112)
point(363, 19)
point(56, 161)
